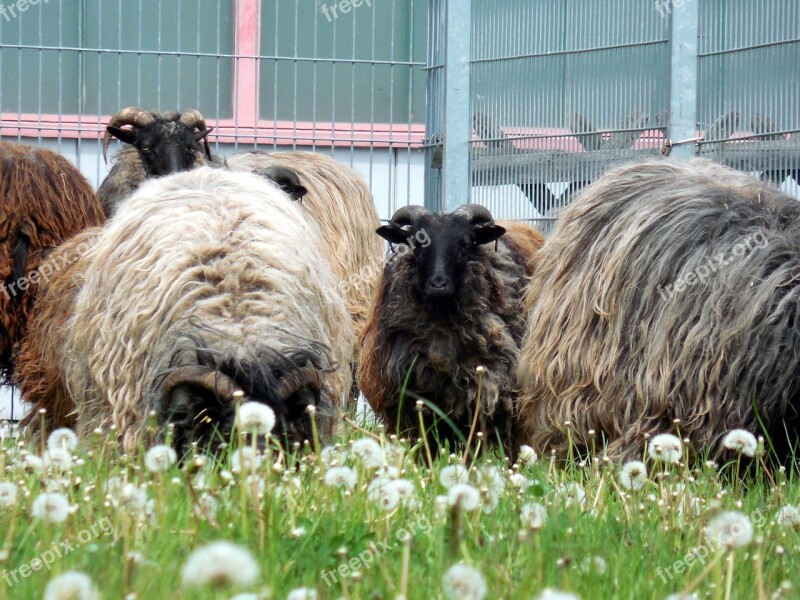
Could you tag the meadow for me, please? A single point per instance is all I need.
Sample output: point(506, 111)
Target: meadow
point(365, 518)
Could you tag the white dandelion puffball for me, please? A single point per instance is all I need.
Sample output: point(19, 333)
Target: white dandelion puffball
point(206, 507)
point(633, 475)
point(245, 459)
point(533, 515)
point(31, 462)
point(465, 496)
point(383, 494)
point(62, 439)
point(302, 594)
point(71, 585)
point(332, 456)
point(405, 491)
point(341, 477)
point(527, 455)
point(682, 596)
point(220, 564)
point(131, 497)
point(666, 448)
point(368, 452)
point(595, 564)
point(247, 597)
point(788, 516)
point(571, 494)
point(8, 493)
point(741, 441)
point(464, 583)
point(492, 478)
point(160, 458)
point(519, 482)
point(51, 507)
point(256, 418)
point(452, 475)
point(730, 529)
point(58, 459)
point(550, 594)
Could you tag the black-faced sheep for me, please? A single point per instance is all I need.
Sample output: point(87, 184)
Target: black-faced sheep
point(160, 144)
point(449, 302)
point(668, 291)
point(204, 283)
point(340, 204)
point(44, 200)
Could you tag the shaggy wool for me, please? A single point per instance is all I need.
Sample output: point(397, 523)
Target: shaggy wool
point(205, 262)
point(667, 300)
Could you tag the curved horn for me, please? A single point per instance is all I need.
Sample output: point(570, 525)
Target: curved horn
point(194, 120)
point(202, 377)
point(407, 215)
point(476, 214)
point(296, 381)
point(133, 115)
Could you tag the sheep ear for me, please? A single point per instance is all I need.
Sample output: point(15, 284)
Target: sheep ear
point(295, 191)
point(393, 234)
point(488, 233)
point(128, 136)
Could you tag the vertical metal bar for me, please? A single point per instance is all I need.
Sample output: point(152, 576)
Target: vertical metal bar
point(456, 184)
point(683, 82)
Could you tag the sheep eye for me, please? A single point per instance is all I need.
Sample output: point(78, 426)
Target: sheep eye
point(147, 149)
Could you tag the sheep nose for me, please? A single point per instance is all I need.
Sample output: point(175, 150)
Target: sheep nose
point(439, 285)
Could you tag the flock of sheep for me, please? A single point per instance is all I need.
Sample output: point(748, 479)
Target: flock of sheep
point(190, 282)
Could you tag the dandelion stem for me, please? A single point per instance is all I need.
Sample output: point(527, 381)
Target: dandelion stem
point(703, 574)
point(359, 429)
point(479, 372)
point(729, 581)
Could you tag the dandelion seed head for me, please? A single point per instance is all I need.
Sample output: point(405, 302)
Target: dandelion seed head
point(8, 494)
point(62, 439)
point(741, 441)
point(788, 517)
point(452, 475)
point(160, 458)
point(255, 418)
point(571, 494)
point(666, 448)
point(219, 564)
point(51, 507)
point(245, 459)
point(533, 515)
point(528, 455)
point(464, 583)
point(341, 477)
point(302, 594)
point(368, 452)
point(464, 495)
point(633, 475)
point(731, 529)
point(71, 585)
point(551, 594)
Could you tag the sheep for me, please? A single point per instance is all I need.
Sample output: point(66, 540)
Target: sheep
point(340, 203)
point(45, 200)
point(448, 302)
point(667, 299)
point(205, 283)
point(160, 144)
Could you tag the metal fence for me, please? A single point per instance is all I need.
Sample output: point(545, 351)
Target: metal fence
point(344, 78)
point(555, 92)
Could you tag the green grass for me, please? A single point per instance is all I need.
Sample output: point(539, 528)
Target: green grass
point(300, 528)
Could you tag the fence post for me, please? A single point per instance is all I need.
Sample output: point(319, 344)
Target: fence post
point(683, 84)
point(457, 120)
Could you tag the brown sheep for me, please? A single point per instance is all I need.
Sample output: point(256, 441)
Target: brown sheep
point(44, 200)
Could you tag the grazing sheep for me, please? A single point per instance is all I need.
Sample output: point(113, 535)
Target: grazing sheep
point(339, 202)
point(44, 200)
point(160, 144)
point(448, 302)
point(204, 283)
point(668, 291)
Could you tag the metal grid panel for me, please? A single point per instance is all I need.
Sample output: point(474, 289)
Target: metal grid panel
point(561, 89)
point(749, 86)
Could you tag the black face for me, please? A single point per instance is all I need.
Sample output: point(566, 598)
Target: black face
point(442, 245)
point(200, 414)
point(286, 179)
point(164, 146)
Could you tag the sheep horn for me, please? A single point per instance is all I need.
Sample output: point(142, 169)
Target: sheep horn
point(194, 120)
point(476, 214)
point(296, 381)
point(407, 215)
point(133, 115)
point(201, 377)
